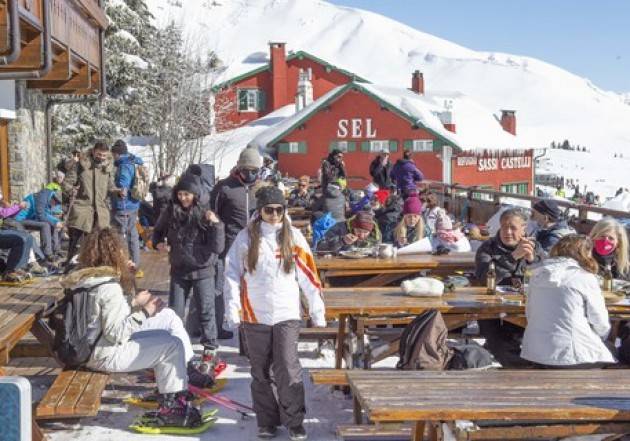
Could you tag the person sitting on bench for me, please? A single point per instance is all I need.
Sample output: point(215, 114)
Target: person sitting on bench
point(136, 331)
point(567, 319)
point(359, 231)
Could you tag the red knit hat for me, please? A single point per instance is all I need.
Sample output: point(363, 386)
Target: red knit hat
point(382, 196)
point(412, 205)
point(363, 220)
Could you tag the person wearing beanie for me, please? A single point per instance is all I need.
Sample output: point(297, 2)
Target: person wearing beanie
point(233, 200)
point(331, 201)
point(195, 236)
point(360, 231)
point(302, 195)
point(124, 206)
point(266, 267)
point(333, 168)
point(551, 226)
point(410, 229)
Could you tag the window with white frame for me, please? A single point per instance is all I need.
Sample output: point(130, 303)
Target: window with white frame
point(250, 100)
point(379, 145)
point(422, 145)
point(294, 147)
point(342, 145)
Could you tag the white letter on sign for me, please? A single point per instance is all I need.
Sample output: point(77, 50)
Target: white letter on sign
point(370, 132)
point(342, 130)
point(356, 128)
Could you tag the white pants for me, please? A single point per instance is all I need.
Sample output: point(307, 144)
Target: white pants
point(168, 320)
point(161, 344)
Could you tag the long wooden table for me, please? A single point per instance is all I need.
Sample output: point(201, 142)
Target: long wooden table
point(380, 272)
point(424, 397)
point(361, 308)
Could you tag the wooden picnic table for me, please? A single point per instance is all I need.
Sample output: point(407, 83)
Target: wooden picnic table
point(21, 307)
point(427, 397)
point(361, 308)
point(380, 272)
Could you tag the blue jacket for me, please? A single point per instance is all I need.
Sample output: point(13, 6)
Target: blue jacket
point(40, 207)
point(125, 176)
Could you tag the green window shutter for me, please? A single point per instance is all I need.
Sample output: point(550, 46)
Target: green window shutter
point(365, 146)
point(283, 147)
point(301, 147)
point(352, 146)
point(242, 99)
point(408, 144)
point(262, 101)
point(393, 146)
point(332, 146)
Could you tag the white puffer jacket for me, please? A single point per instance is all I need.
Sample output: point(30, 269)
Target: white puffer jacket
point(268, 295)
point(566, 316)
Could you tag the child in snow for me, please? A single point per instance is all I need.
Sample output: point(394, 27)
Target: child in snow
point(196, 237)
point(267, 265)
point(411, 227)
point(134, 332)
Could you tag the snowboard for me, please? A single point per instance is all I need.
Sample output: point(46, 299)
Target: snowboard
point(138, 401)
point(143, 425)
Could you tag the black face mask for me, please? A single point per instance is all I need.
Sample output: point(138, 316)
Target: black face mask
point(98, 160)
point(249, 176)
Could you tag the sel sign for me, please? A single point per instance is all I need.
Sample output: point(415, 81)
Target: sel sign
point(355, 128)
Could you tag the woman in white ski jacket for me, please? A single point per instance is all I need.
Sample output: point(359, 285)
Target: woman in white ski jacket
point(567, 319)
point(267, 265)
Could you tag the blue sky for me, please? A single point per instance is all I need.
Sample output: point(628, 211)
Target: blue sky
point(590, 38)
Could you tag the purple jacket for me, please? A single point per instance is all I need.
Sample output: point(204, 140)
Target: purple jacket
point(9, 211)
point(405, 174)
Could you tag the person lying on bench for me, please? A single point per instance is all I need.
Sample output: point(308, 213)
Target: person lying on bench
point(567, 319)
point(136, 332)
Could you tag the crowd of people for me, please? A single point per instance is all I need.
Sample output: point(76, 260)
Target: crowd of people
point(236, 261)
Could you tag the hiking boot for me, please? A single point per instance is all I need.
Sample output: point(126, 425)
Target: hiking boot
point(297, 433)
point(197, 378)
point(176, 410)
point(13, 277)
point(37, 270)
point(267, 432)
point(211, 364)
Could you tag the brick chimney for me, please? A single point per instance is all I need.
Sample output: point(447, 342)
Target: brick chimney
point(508, 121)
point(279, 97)
point(446, 116)
point(417, 82)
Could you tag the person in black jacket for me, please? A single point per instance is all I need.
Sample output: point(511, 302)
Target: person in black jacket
point(380, 169)
point(233, 200)
point(332, 168)
point(511, 252)
point(196, 237)
point(553, 227)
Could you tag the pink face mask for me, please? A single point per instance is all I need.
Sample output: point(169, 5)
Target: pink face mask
point(603, 246)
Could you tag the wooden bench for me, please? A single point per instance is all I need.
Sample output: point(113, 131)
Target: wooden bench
point(330, 377)
point(74, 394)
point(318, 334)
point(377, 432)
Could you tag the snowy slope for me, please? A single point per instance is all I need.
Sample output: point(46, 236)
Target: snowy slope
point(551, 103)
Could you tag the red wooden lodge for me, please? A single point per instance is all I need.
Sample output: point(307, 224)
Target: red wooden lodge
point(454, 138)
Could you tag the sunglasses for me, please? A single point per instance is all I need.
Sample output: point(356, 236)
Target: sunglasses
point(270, 211)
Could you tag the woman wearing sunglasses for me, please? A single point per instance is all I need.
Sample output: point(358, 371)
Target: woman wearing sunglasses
point(267, 265)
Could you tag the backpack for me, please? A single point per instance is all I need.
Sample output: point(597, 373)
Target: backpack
point(141, 182)
point(423, 343)
point(74, 342)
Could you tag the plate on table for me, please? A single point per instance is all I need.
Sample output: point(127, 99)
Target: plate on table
point(612, 297)
point(354, 254)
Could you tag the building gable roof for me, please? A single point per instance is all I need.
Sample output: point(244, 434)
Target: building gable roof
point(426, 121)
point(299, 55)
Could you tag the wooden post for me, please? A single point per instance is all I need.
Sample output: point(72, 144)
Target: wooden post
point(356, 410)
point(341, 336)
point(417, 431)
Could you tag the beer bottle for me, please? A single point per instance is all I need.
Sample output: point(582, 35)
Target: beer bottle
point(491, 279)
point(608, 279)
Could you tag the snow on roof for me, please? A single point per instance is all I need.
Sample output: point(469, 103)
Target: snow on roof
point(477, 128)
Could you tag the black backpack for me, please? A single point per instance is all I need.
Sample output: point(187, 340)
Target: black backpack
point(74, 341)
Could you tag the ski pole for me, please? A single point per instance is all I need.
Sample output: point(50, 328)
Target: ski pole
point(222, 401)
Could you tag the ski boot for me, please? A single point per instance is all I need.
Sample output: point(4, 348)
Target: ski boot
point(210, 362)
point(200, 376)
point(175, 410)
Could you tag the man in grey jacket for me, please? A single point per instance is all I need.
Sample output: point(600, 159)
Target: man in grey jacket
point(233, 200)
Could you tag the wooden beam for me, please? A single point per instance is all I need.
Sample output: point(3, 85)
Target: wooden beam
point(61, 72)
point(82, 80)
point(30, 57)
point(95, 13)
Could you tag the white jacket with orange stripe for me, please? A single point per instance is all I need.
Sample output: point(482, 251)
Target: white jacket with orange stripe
point(268, 295)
